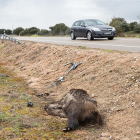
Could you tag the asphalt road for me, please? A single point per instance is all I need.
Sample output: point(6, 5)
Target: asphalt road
point(122, 44)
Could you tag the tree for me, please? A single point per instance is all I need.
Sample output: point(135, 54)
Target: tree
point(58, 29)
point(33, 30)
point(132, 25)
point(26, 31)
point(51, 28)
point(18, 30)
point(44, 32)
point(8, 31)
point(22, 33)
point(67, 32)
point(2, 31)
point(137, 29)
point(116, 23)
point(124, 26)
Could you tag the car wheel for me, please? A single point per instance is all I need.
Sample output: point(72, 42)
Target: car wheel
point(73, 36)
point(110, 38)
point(89, 36)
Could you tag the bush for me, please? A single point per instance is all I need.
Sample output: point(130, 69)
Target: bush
point(59, 29)
point(116, 23)
point(137, 29)
point(44, 32)
point(22, 33)
point(124, 27)
point(8, 31)
point(18, 30)
point(2, 31)
point(132, 25)
point(33, 30)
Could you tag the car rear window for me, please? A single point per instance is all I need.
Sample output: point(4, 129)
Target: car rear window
point(77, 23)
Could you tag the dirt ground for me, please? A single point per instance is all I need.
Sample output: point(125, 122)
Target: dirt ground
point(110, 77)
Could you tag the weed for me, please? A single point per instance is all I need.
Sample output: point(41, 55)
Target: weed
point(58, 133)
point(35, 35)
point(90, 129)
point(106, 50)
point(25, 98)
point(3, 46)
point(16, 131)
point(3, 116)
point(82, 47)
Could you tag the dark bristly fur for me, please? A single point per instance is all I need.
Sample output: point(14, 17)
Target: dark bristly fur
point(78, 107)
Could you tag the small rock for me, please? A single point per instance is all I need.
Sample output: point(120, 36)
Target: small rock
point(106, 134)
point(20, 67)
point(93, 78)
point(46, 94)
point(132, 67)
point(138, 133)
point(92, 95)
point(114, 94)
point(133, 104)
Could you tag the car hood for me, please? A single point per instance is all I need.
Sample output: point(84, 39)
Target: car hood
point(101, 26)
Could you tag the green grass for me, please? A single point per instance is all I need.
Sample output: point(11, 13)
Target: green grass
point(129, 34)
point(82, 47)
point(3, 46)
point(107, 51)
point(17, 121)
point(35, 35)
point(91, 130)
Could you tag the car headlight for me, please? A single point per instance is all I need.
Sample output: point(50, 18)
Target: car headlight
point(113, 29)
point(96, 29)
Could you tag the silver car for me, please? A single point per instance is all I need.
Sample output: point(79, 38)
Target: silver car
point(92, 28)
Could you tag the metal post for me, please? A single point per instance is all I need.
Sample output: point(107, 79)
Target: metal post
point(12, 29)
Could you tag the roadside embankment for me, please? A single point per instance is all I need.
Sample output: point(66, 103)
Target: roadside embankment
point(111, 77)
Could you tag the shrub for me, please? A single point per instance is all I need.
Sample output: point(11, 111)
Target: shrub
point(18, 30)
point(137, 29)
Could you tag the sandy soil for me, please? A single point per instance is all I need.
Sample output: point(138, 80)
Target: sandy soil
point(110, 77)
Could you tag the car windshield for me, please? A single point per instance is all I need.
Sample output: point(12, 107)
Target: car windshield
point(92, 22)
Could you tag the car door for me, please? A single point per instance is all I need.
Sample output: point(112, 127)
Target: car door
point(82, 29)
point(76, 28)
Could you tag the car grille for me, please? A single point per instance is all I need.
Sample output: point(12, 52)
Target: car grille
point(109, 29)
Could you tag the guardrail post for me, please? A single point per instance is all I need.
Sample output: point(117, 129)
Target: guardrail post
point(5, 38)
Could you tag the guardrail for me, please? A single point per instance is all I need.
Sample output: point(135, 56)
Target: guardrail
point(7, 37)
